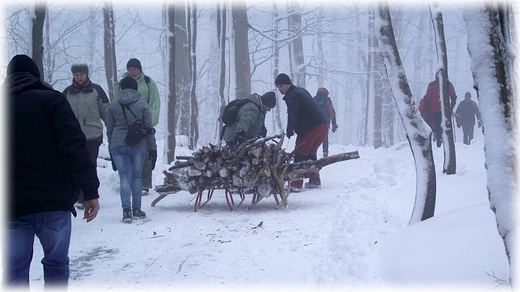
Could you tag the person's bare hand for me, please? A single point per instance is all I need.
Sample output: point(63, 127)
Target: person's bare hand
point(91, 209)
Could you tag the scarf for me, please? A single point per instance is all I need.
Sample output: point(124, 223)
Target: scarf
point(81, 86)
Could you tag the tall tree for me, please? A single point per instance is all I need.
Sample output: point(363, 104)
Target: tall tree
point(109, 41)
point(194, 116)
point(221, 32)
point(40, 9)
point(297, 60)
point(417, 131)
point(172, 96)
point(489, 43)
point(450, 162)
point(241, 49)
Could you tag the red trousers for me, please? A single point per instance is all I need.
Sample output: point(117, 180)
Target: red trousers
point(313, 140)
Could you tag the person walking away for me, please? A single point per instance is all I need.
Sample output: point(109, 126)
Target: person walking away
point(465, 115)
point(306, 120)
point(150, 94)
point(250, 120)
point(433, 93)
point(89, 103)
point(126, 159)
point(49, 163)
point(425, 107)
point(324, 103)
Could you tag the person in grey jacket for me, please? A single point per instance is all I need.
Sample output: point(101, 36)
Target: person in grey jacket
point(89, 103)
point(250, 119)
point(128, 160)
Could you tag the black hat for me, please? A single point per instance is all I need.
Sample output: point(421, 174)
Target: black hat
point(23, 63)
point(134, 63)
point(282, 78)
point(269, 99)
point(129, 82)
point(79, 67)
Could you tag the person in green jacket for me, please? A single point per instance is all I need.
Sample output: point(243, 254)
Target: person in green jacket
point(149, 93)
point(250, 119)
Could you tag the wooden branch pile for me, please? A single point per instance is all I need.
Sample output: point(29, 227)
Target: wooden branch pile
point(259, 166)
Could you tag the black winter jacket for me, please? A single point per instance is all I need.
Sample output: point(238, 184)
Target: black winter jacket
point(303, 114)
point(49, 160)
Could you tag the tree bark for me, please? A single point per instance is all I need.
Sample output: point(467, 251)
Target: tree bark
point(110, 48)
point(242, 62)
point(417, 131)
point(40, 9)
point(172, 96)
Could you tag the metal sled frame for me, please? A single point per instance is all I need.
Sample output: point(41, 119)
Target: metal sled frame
point(229, 198)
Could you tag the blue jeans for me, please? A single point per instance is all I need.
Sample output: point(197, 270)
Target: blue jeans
point(129, 162)
point(53, 229)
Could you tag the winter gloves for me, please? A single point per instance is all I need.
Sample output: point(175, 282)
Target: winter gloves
point(152, 154)
point(334, 128)
point(240, 136)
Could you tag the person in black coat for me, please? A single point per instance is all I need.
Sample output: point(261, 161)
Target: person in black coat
point(49, 166)
point(465, 117)
point(306, 120)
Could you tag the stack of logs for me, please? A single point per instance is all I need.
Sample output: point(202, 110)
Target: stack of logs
point(259, 166)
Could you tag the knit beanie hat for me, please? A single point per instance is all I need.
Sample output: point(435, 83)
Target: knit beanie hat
point(282, 78)
point(269, 99)
point(129, 82)
point(79, 67)
point(23, 63)
point(322, 90)
point(134, 63)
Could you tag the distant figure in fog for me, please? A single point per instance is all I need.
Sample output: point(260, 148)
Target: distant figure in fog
point(465, 115)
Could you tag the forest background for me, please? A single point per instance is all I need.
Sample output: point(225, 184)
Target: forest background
point(328, 44)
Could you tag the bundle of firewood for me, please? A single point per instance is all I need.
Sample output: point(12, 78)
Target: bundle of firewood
point(259, 166)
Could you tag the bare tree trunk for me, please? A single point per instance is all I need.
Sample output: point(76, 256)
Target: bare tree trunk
point(221, 31)
point(40, 9)
point(110, 48)
point(450, 162)
point(172, 97)
point(194, 128)
point(182, 68)
point(242, 63)
point(491, 63)
point(296, 46)
point(276, 66)
point(417, 132)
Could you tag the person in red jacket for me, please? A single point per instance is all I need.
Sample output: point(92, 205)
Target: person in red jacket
point(306, 120)
point(432, 103)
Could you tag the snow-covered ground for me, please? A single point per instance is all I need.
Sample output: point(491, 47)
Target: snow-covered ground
point(351, 233)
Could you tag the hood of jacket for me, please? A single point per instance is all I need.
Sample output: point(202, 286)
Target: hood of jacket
point(128, 96)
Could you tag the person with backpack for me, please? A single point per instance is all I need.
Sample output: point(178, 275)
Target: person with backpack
point(305, 119)
point(249, 118)
point(432, 102)
point(89, 103)
point(465, 117)
point(128, 159)
point(324, 103)
point(149, 93)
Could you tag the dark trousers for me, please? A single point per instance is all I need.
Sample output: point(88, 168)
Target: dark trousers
point(467, 133)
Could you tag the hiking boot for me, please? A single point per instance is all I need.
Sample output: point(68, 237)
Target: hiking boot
point(127, 215)
point(138, 214)
point(311, 185)
point(325, 154)
point(145, 192)
point(296, 190)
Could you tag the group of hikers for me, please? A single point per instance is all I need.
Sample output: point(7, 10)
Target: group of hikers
point(54, 140)
point(467, 110)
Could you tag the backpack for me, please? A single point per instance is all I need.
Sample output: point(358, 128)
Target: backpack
point(230, 112)
point(322, 103)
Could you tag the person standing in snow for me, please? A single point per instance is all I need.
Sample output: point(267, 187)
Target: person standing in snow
point(306, 120)
point(324, 103)
point(89, 103)
point(150, 94)
point(465, 117)
point(129, 160)
point(432, 99)
point(250, 121)
point(49, 164)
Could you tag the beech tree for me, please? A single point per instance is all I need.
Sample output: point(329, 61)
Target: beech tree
point(37, 49)
point(489, 46)
point(418, 133)
point(172, 96)
point(109, 37)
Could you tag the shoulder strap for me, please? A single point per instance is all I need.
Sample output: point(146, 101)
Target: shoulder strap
point(147, 80)
point(124, 112)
